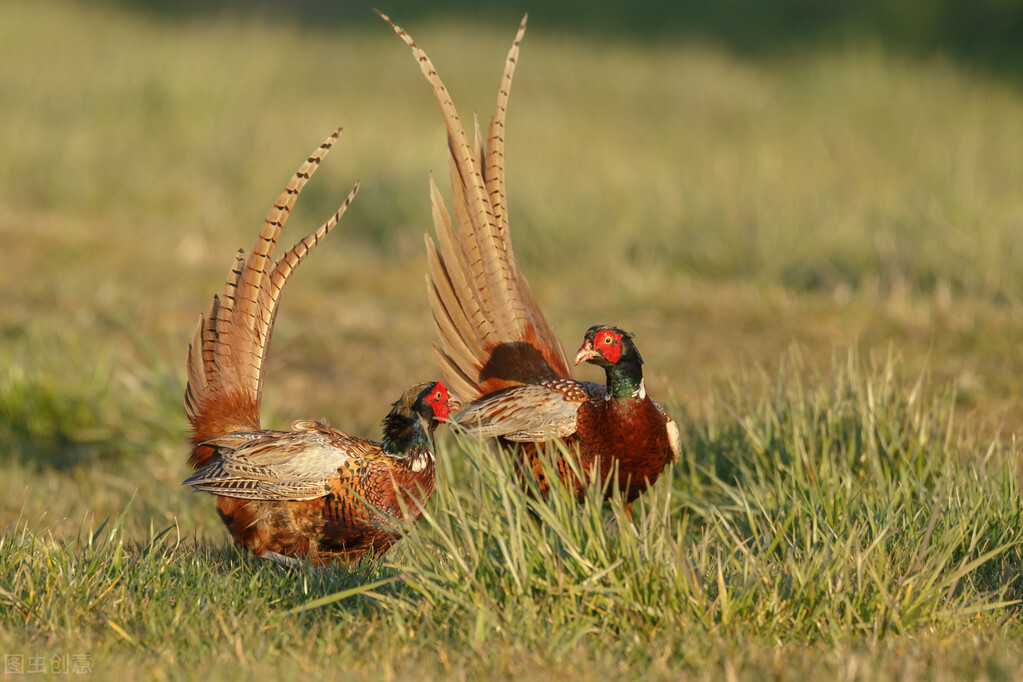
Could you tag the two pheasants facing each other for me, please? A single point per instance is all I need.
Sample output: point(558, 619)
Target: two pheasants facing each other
point(497, 350)
point(314, 492)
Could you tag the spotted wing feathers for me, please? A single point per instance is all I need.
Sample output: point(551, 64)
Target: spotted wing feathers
point(278, 465)
point(531, 412)
point(674, 435)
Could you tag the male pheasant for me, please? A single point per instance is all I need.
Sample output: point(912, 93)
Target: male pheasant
point(305, 493)
point(496, 348)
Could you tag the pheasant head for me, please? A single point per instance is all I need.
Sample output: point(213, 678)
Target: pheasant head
point(611, 348)
point(415, 415)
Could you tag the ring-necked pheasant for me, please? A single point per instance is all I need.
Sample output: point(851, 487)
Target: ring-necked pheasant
point(496, 348)
point(302, 493)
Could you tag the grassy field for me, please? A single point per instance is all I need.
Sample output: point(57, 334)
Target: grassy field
point(819, 251)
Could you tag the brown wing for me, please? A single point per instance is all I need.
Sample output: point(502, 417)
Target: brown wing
point(492, 332)
point(531, 412)
point(278, 465)
point(228, 352)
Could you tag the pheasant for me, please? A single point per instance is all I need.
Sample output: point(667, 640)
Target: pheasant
point(305, 493)
point(497, 350)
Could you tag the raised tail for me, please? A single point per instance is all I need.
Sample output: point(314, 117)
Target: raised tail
point(228, 351)
point(492, 332)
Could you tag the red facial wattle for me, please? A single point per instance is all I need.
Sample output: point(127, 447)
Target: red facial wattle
point(609, 345)
point(442, 402)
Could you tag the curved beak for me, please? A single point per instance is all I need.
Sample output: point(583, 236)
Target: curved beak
point(454, 405)
point(586, 353)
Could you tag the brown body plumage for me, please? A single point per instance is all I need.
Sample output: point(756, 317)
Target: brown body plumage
point(309, 492)
point(496, 348)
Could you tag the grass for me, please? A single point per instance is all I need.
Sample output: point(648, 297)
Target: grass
point(840, 518)
point(817, 248)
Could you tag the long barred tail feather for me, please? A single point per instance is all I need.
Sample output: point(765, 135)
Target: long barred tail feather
point(227, 356)
point(492, 332)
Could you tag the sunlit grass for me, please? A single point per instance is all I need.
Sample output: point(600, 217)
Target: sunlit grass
point(818, 252)
point(813, 517)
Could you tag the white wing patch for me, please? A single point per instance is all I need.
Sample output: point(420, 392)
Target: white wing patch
point(674, 435)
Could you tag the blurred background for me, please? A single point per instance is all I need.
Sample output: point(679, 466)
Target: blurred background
point(985, 33)
point(745, 185)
